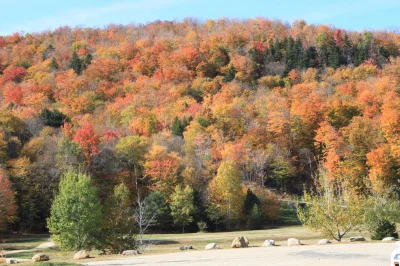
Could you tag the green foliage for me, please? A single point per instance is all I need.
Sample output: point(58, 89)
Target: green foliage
point(381, 211)
point(230, 75)
point(53, 118)
point(76, 64)
point(182, 207)
point(288, 215)
point(255, 220)
point(328, 212)
point(157, 204)
point(119, 227)
point(53, 64)
point(384, 229)
point(250, 201)
point(76, 213)
point(202, 226)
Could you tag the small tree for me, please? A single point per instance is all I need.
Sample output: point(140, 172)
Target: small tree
point(143, 218)
point(182, 206)
point(330, 211)
point(119, 227)
point(76, 213)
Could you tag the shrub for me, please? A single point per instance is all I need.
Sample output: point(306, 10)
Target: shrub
point(384, 229)
point(202, 226)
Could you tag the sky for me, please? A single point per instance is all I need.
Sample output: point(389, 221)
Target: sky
point(39, 15)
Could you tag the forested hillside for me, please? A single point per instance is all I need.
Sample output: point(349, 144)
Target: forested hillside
point(218, 107)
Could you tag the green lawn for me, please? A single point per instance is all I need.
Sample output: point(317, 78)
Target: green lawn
point(23, 241)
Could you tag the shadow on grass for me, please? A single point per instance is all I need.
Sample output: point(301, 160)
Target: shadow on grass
point(160, 242)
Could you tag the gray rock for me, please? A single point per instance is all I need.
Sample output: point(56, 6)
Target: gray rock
point(293, 242)
point(82, 254)
point(268, 243)
point(324, 242)
point(212, 246)
point(40, 257)
point(11, 261)
point(186, 247)
point(388, 239)
point(130, 252)
point(240, 242)
point(357, 239)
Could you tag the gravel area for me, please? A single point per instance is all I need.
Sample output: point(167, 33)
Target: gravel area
point(343, 254)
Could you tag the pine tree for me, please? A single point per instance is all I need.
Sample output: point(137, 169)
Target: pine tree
point(53, 64)
point(230, 75)
point(176, 127)
point(76, 63)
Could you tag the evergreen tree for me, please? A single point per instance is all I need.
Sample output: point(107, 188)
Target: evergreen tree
point(176, 127)
point(255, 220)
point(157, 204)
point(76, 63)
point(230, 74)
point(53, 64)
point(53, 118)
point(76, 213)
point(250, 201)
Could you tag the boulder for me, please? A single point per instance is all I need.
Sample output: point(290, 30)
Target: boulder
point(212, 246)
point(130, 252)
point(268, 243)
point(388, 239)
point(240, 242)
point(186, 247)
point(40, 257)
point(82, 254)
point(324, 242)
point(12, 261)
point(293, 242)
point(357, 239)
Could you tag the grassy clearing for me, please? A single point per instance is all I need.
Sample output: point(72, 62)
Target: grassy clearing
point(23, 241)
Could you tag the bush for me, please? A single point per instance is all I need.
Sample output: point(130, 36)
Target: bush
point(384, 229)
point(202, 226)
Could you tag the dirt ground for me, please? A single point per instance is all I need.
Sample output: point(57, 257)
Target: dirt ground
point(375, 254)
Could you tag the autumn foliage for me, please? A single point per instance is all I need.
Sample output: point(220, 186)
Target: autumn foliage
point(215, 105)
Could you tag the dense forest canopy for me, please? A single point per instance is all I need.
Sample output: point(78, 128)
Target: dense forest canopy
point(220, 106)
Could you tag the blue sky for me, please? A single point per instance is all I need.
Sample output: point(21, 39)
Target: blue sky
point(38, 15)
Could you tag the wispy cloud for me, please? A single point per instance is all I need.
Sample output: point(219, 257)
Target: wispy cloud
point(74, 17)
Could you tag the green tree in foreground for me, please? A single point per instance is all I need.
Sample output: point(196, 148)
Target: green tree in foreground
point(119, 226)
point(76, 213)
point(182, 206)
point(329, 211)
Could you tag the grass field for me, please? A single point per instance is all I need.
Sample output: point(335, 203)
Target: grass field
point(167, 243)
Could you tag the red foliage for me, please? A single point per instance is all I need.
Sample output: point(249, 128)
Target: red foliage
point(13, 73)
point(88, 140)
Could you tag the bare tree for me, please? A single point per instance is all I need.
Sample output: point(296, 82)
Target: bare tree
point(143, 218)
